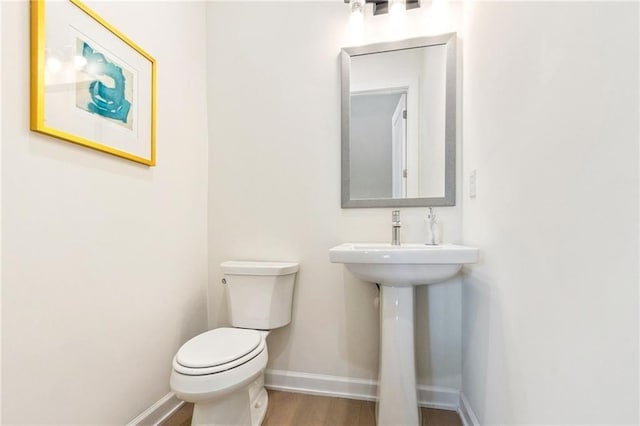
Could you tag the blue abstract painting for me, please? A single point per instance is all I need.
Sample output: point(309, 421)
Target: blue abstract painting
point(103, 87)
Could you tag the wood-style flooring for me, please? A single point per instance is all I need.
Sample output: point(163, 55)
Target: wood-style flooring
point(296, 409)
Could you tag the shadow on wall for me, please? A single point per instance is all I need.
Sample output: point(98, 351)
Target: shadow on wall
point(360, 336)
point(279, 339)
point(438, 339)
point(217, 299)
point(64, 152)
point(479, 328)
point(424, 364)
point(193, 315)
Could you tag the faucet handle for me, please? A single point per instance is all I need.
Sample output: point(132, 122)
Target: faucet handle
point(395, 216)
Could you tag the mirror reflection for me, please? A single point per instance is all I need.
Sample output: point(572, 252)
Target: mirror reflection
point(399, 149)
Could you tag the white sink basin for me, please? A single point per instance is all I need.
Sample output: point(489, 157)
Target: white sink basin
point(403, 265)
point(399, 269)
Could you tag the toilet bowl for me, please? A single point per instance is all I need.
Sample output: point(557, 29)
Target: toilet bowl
point(221, 371)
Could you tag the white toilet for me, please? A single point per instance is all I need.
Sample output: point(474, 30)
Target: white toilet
point(222, 370)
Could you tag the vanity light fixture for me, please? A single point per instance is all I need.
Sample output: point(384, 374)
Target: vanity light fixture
point(381, 6)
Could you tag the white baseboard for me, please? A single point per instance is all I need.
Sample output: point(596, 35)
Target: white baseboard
point(466, 413)
point(324, 385)
point(158, 412)
point(320, 384)
point(345, 387)
point(438, 397)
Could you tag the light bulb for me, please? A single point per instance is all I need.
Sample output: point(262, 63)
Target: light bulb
point(397, 7)
point(357, 17)
point(357, 7)
point(440, 11)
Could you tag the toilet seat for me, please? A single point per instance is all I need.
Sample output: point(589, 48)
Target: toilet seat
point(218, 350)
point(201, 388)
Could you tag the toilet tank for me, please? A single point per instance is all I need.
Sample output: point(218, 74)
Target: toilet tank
point(259, 294)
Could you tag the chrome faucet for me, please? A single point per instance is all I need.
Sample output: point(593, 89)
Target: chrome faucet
point(395, 228)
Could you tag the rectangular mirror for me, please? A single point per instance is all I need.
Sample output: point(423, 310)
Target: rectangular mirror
point(399, 123)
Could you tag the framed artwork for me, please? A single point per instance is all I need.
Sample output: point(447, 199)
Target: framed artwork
point(90, 84)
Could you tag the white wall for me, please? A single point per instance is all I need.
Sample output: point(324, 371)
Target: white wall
point(274, 186)
point(0, 207)
point(550, 329)
point(104, 265)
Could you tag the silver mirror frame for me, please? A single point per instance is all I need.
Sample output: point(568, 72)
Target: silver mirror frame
point(347, 53)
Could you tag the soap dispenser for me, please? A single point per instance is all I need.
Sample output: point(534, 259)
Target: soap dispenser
point(433, 229)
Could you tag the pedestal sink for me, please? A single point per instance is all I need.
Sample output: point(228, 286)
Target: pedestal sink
point(398, 269)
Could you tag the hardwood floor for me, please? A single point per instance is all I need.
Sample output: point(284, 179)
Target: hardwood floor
point(296, 409)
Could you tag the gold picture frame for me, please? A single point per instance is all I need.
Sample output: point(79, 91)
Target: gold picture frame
point(90, 84)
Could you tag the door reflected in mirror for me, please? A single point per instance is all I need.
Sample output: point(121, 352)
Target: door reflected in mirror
point(378, 144)
point(398, 115)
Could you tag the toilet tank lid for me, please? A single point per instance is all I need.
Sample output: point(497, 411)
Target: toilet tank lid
point(244, 267)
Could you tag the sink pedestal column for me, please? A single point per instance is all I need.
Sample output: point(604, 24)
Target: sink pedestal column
point(397, 395)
